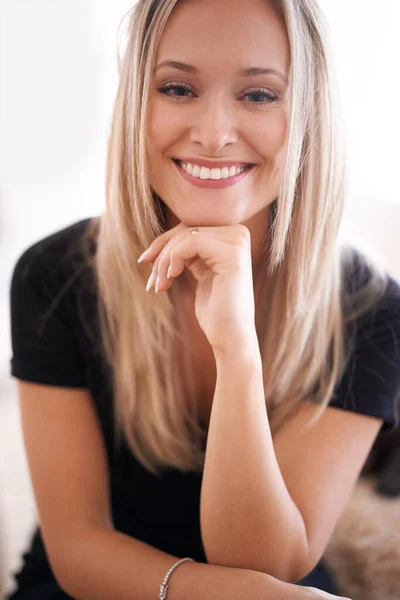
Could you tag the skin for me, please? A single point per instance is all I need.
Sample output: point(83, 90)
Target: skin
point(222, 116)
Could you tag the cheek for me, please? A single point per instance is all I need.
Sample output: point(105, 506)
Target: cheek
point(271, 137)
point(163, 126)
point(154, 127)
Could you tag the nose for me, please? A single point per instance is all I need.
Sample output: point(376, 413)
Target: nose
point(214, 125)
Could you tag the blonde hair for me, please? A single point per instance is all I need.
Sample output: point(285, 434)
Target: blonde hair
point(303, 307)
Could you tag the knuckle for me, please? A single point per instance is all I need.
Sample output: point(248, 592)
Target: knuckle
point(163, 261)
point(243, 234)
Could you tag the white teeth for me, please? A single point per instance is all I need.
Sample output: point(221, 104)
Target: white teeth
point(206, 173)
point(215, 173)
point(224, 172)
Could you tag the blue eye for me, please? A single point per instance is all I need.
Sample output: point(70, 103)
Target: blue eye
point(173, 86)
point(270, 97)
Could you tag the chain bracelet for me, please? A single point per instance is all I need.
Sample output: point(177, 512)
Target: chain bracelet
point(164, 585)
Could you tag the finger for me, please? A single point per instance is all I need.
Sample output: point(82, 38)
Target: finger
point(213, 252)
point(177, 263)
point(235, 237)
point(161, 263)
point(234, 234)
point(159, 243)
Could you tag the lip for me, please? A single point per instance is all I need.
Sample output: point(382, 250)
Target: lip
point(213, 164)
point(213, 183)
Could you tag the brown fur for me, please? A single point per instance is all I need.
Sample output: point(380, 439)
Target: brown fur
point(364, 550)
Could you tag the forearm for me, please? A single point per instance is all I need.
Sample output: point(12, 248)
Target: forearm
point(105, 564)
point(248, 518)
point(100, 564)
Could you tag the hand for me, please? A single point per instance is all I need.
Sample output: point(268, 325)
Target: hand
point(219, 258)
point(200, 581)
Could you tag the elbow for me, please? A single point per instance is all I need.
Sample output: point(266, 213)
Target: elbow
point(288, 564)
point(285, 557)
point(61, 565)
point(301, 565)
point(69, 559)
point(298, 572)
point(279, 568)
point(63, 575)
point(304, 567)
point(64, 565)
point(59, 552)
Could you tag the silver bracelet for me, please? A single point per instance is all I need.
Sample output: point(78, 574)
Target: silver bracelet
point(164, 586)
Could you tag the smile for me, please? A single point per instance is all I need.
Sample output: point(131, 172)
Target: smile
point(213, 178)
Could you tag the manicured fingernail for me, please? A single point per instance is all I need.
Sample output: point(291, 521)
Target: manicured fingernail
point(150, 281)
point(169, 272)
point(157, 284)
point(143, 256)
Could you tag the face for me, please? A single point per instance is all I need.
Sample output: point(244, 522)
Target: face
point(214, 113)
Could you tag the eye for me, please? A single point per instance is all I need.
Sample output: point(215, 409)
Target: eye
point(174, 86)
point(181, 91)
point(261, 92)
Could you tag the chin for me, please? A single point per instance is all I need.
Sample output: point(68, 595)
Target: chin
point(208, 215)
point(201, 220)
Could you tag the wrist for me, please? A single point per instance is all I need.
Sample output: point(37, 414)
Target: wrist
point(186, 580)
point(244, 350)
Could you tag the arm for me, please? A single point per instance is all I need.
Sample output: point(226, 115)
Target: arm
point(258, 503)
point(89, 558)
point(67, 463)
point(248, 517)
point(108, 565)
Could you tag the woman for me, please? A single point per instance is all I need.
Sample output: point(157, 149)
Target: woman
point(226, 417)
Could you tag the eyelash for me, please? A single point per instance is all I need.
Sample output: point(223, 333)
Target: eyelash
point(166, 88)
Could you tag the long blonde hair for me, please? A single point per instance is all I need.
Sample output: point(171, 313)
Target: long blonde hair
point(303, 307)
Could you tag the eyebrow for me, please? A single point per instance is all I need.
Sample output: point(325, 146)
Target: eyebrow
point(247, 72)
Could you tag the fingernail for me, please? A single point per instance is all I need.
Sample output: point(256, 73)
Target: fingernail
point(150, 281)
point(169, 272)
point(157, 284)
point(143, 255)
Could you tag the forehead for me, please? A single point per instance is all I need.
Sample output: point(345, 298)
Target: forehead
point(226, 34)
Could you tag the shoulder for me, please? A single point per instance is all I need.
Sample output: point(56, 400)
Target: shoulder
point(52, 252)
point(370, 383)
point(373, 293)
point(47, 337)
point(54, 266)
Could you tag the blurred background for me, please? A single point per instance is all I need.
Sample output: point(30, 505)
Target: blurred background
point(58, 77)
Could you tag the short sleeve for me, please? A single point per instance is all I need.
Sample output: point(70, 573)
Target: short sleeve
point(45, 346)
point(371, 382)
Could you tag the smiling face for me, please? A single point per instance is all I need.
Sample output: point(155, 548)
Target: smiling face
point(214, 113)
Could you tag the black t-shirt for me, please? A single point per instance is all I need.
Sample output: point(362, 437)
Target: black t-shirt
point(51, 346)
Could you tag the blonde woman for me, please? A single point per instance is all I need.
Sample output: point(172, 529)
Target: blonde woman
point(195, 417)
